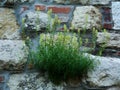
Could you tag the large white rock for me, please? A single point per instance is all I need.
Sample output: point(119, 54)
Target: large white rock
point(34, 21)
point(111, 39)
point(31, 81)
point(115, 9)
point(8, 25)
point(107, 73)
point(72, 1)
point(13, 54)
point(94, 2)
point(103, 2)
point(18, 1)
point(86, 17)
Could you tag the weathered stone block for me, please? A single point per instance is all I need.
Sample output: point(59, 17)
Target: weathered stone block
point(13, 54)
point(116, 15)
point(34, 21)
point(84, 2)
point(19, 1)
point(107, 73)
point(111, 39)
point(30, 81)
point(100, 2)
point(8, 25)
point(87, 17)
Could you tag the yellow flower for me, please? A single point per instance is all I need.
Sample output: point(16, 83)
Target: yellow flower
point(66, 40)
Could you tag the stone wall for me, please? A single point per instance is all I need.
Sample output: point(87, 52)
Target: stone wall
point(81, 13)
point(32, 14)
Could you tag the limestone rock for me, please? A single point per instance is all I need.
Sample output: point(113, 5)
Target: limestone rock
point(13, 54)
point(31, 81)
point(111, 39)
point(72, 1)
point(17, 1)
point(101, 2)
point(8, 25)
point(107, 73)
point(84, 2)
point(34, 21)
point(86, 17)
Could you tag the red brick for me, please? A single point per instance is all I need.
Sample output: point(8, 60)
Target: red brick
point(40, 7)
point(1, 78)
point(107, 26)
point(56, 9)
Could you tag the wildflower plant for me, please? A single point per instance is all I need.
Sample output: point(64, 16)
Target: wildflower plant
point(94, 37)
point(67, 40)
point(104, 42)
point(58, 54)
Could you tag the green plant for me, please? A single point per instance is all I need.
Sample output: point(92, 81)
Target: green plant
point(104, 42)
point(86, 22)
point(94, 37)
point(23, 34)
point(59, 56)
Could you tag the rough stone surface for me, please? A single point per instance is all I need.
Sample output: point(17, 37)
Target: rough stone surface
point(35, 21)
point(72, 1)
point(107, 73)
point(13, 54)
point(111, 39)
point(86, 17)
point(116, 14)
point(18, 1)
point(114, 88)
point(31, 81)
point(84, 2)
point(8, 25)
point(103, 2)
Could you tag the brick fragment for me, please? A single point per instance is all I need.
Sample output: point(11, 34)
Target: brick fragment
point(107, 26)
point(56, 9)
point(40, 7)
